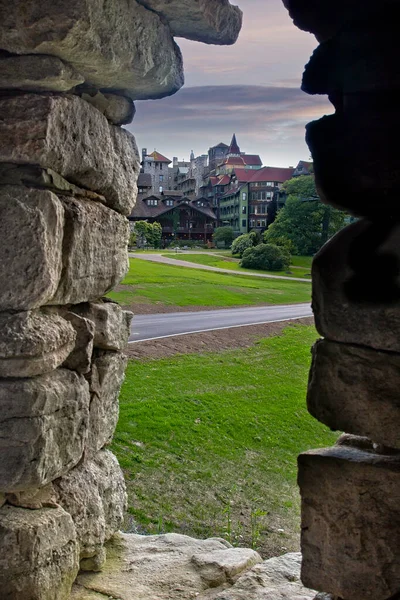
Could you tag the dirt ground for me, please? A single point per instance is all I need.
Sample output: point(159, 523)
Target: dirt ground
point(210, 341)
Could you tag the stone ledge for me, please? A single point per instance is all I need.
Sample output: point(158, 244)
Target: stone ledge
point(177, 567)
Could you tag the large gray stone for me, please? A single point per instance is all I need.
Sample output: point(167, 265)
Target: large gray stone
point(43, 428)
point(93, 493)
point(108, 369)
point(356, 390)
point(111, 324)
point(275, 579)
point(39, 554)
point(31, 233)
point(350, 522)
point(162, 566)
point(117, 109)
point(209, 21)
point(68, 135)
point(114, 45)
point(356, 286)
point(80, 359)
point(33, 343)
point(37, 73)
point(95, 256)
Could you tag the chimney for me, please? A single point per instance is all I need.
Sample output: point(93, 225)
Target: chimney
point(174, 161)
point(144, 153)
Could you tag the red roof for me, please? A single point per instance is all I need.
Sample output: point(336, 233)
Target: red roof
point(278, 174)
point(157, 157)
point(243, 160)
point(243, 175)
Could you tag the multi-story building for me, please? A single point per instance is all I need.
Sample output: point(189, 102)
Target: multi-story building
point(156, 165)
point(233, 204)
point(264, 187)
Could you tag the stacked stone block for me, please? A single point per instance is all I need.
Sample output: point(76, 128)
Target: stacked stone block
point(351, 493)
point(69, 73)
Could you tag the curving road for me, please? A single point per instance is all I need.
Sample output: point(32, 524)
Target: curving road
point(151, 327)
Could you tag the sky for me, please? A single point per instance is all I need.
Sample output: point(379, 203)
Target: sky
point(251, 88)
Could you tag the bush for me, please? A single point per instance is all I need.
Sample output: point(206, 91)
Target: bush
point(267, 257)
point(241, 243)
point(223, 235)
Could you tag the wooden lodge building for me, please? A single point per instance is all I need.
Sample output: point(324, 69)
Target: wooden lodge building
point(180, 217)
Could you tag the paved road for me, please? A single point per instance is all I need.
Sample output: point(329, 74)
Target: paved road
point(183, 263)
point(149, 327)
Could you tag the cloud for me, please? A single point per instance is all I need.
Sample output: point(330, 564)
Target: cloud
point(267, 120)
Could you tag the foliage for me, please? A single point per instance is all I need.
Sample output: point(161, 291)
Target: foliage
point(304, 220)
point(209, 442)
point(267, 257)
point(148, 234)
point(223, 234)
point(241, 243)
point(132, 239)
point(148, 282)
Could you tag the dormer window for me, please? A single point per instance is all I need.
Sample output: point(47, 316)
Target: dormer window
point(169, 202)
point(152, 202)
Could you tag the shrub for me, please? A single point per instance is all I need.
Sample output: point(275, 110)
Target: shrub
point(267, 257)
point(223, 235)
point(241, 243)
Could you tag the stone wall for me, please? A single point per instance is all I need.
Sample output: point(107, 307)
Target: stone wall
point(69, 73)
point(351, 493)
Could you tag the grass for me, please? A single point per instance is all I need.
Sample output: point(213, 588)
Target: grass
point(223, 262)
point(208, 443)
point(148, 282)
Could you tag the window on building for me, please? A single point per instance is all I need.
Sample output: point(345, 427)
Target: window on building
point(161, 178)
point(244, 210)
point(152, 202)
point(269, 195)
point(160, 166)
point(169, 202)
point(262, 195)
point(258, 223)
point(270, 183)
point(252, 223)
point(243, 195)
point(243, 222)
point(263, 209)
point(259, 195)
point(263, 223)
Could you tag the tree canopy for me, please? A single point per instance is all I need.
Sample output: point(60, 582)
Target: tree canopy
point(223, 234)
point(304, 220)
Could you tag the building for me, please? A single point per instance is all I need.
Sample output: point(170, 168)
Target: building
point(264, 189)
point(156, 166)
point(216, 155)
point(235, 159)
point(233, 204)
point(304, 168)
point(181, 218)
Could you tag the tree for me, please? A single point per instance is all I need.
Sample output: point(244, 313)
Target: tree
point(267, 257)
point(241, 243)
point(223, 234)
point(304, 220)
point(148, 233)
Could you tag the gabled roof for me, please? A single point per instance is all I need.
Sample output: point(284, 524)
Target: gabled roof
point(144, 180)
point(243, 160)
point(274, 174)
point(142, 211)
point(243, 175)
point(157, 157)
point(220, 145)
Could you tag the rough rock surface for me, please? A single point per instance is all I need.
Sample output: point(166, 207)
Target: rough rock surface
point(275, 579)
point(80, 359)
point(32, 408)
point(95, 255)
point(37, 73)
point(354, 281)
point(34, 499)
point(350, 522)
point(371, 162)
point(209, 21)
point(93, 493)
point(108, 370)
point(143, 567)
point(39, 553)
point(112, 324)
point(356, 390)
point(33, 343)
point(119, 110)
point(31, 230)
point(68, 135)
point(114, 45)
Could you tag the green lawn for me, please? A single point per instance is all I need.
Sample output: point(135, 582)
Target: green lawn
point(302, 261)
point(208, 443)
point(148, 282)
point(225, 262)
